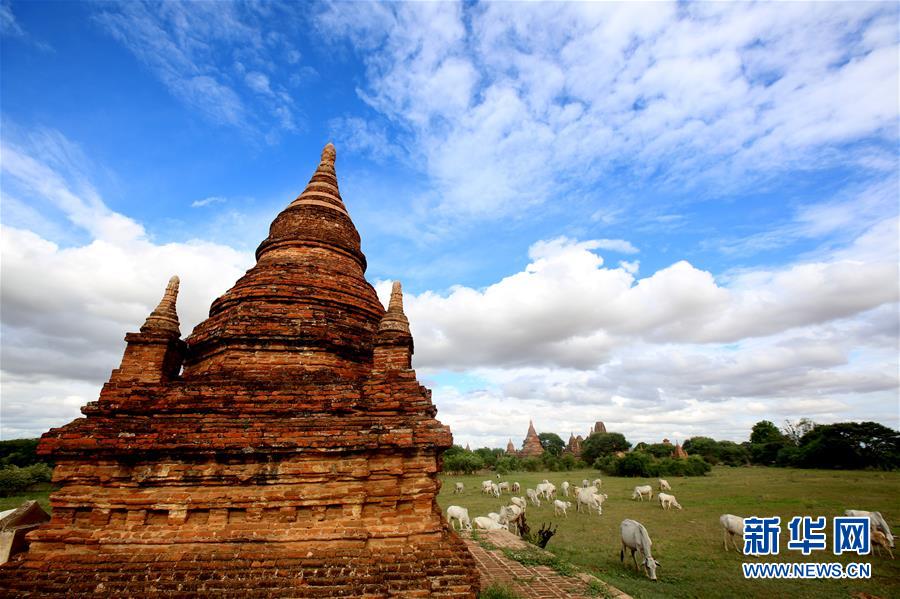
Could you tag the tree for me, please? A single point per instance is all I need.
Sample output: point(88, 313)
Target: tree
point(849, 445)
point(765, 432)
point(705, 447)
point(659, 450)
point(794, 431)
point(552, 443)
point(765, 443)
point(466, 462)
point(602, 444)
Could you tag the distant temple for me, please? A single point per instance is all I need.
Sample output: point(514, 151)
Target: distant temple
point(599, 427)
point(531, 446)
point(510, 448)
point(679, 452)
point(574, 445)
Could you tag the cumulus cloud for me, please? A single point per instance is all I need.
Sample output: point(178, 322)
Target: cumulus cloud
point(554, 97)
point(569, 340)
point(66, 308)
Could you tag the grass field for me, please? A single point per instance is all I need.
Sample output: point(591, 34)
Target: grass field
point(688, 543)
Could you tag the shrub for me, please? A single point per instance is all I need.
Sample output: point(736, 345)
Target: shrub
point(466, 462)
point(532, 464)
point(17, 480)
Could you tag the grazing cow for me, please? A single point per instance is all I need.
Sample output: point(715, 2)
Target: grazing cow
point(565, 488)
point(732, 525)
point(504, 486)
point(484, 523)
point(486, 486)
point(879, 539)
point(533, 496)
point(635, 538)
point(546, 490)
point(461, 515)
point(664, 485)
point(642, 490)
point(495, 490)
point(876, 522)
point(591, 500)
point(560, 507)
point(516, 488)
point(459, 488)
point(666, 501)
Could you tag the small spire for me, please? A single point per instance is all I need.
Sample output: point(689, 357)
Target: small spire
point(322, 189)
point(165, 317)
point(394, 319)
point(329, 154)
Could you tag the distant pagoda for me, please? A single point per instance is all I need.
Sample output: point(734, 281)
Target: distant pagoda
point(531, 446)
point(510, 448)
point(284, 449)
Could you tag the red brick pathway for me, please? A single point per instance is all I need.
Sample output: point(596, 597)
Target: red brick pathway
point(529, 582)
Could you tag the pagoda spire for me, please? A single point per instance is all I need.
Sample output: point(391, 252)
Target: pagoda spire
point(394, 319)
point(164, 318)
point(322, 189)
point(394, 343)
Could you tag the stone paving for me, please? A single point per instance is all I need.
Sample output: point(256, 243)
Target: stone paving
point(530, 582)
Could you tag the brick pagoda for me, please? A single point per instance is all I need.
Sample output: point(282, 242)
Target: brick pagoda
point(284, 449)
point(531, 446)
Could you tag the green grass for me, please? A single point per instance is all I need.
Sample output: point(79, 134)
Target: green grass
point(40, 492)
point(497, 591)
point(688, 543)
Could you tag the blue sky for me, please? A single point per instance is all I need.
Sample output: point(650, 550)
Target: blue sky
point(676, 218)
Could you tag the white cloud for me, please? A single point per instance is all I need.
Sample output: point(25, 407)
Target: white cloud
point(63, 330)
point(207, 201)
point(557, 96)
point(568, 341)
point(188, 46)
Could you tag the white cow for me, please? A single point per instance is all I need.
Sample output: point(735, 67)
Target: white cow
point(461, 515)
point(597, 483)
point(459, 488)
point(546, 490)
point(518, 501)
point(584, 482)
point(732, 525)
point(666, 501)
point(504, 486)
point(564, 487)
point(486, 486)
point(664, 485)
point(533, 496)
point(876, 522)
point(495, 490)
point(592, 501)
point(516, 488)
point(642, 490)
point(635, 538)
point(498, 518)
point(485, 523)
point(560, 507)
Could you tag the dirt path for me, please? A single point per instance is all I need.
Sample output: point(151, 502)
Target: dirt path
point(531, 582)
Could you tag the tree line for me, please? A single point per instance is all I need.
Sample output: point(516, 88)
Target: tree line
point(798, 444)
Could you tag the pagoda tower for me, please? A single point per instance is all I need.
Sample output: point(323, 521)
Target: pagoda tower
point(284, 449)
point(510, 448)
point(531, 446)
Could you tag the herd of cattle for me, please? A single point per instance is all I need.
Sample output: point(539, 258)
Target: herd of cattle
point(634, 535)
